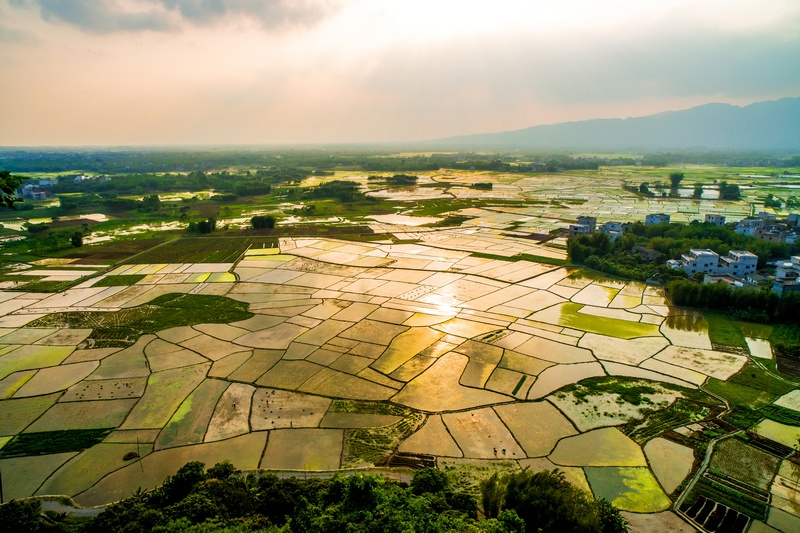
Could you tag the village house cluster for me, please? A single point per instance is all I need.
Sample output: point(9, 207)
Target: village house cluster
point(738, 268)
point(767, 227)
point(787, 274)
point(39, 189)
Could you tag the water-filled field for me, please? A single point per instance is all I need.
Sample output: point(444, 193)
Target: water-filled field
point(337, 354)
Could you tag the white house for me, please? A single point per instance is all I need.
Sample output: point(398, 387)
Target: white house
point(613, 229)
point(786, 275)
point(579, 229)
point(588, 221)
point(738, 263)
point(748, 226)
point(700, 260)
point(717, 220)
point(657, 218)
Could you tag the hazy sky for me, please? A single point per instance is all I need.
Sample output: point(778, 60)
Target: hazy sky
point(114, 72)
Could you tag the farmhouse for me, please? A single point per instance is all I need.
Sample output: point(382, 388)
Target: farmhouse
point(738, 263)
point(658, 218)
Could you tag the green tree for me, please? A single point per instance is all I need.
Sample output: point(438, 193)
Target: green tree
point(263, 222)
point(675, 179)
point(547, 502)
point(729, 191)
point(151, 203)
point(207, 226)
point(36, 228)
point(428, 480)
point(698, 191)
point(21, 515)
point(8, 185)
point(77, 239)
point(492, 494)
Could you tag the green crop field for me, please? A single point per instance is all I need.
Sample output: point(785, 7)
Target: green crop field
point(203, 249)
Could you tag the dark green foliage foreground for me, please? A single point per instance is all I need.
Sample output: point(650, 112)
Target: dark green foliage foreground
point(124, 327)
point(546, 502)
point(217, 499)
point(745, 304)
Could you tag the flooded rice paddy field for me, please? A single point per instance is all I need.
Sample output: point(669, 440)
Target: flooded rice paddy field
point(355, 351)
point(516, 205)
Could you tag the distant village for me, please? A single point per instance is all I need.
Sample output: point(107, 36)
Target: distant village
point(738, 268)
point(39, 189)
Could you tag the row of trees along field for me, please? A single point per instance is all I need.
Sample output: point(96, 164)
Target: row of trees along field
point(244, 183)
point(372, 159)
point(218, 499)
point(369, 159)
point(727, 191)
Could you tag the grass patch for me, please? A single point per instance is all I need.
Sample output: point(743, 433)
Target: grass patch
point(439, 206)
point(46, 286)
point(124, 327)
point(367, 408)
point(526, 257)
point(118, 250)
point(450, 221)
point(786, 337)
point(628, 488)
point(758, 378)
point(370, 237)
point(546, 260)
point(743, 417)
point(519, 385)
point(203, 249)
point(723, 330)
point(119, 281)
point(780, 414)
point(679, 413)
point(622, 329)
point(752, 387)
point(629, 390)
point(47, 442)
point(729, 496)
point(737, 460)
point(739, 395)
point(375, 445)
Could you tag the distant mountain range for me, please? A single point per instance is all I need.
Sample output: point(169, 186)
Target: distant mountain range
point(773, 125)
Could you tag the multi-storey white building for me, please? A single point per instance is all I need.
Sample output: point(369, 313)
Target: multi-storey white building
point(786, 275)
point(717, 220)
point(748, 226)
point(614, 230)
point(579, 229)
point(700, 260)
point(588, 221)
point(658, 218)
point(738, 263)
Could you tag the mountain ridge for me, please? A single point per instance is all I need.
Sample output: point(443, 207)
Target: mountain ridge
point(767, 125)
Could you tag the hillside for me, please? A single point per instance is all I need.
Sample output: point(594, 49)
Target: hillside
point(773, 125)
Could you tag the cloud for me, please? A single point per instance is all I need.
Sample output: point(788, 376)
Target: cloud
point(595, 69)
point(108, 16)
point(104, 16)
point(270, 13)
point(12, 35)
